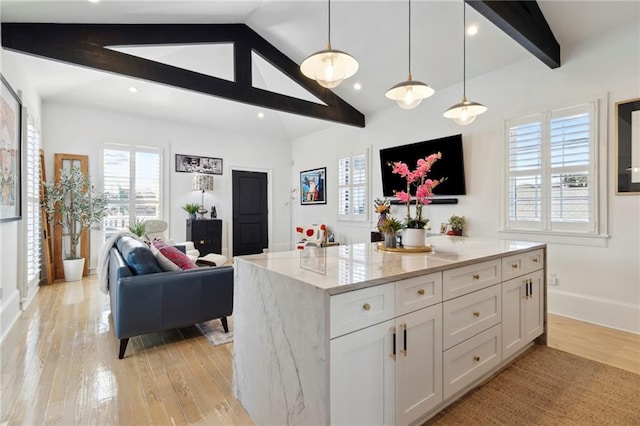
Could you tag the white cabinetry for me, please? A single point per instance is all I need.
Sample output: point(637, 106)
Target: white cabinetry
point(522, 311)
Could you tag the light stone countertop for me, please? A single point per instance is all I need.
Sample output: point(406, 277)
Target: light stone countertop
point(343, 268)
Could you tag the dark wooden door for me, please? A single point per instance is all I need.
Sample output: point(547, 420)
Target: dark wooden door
point(250, 214)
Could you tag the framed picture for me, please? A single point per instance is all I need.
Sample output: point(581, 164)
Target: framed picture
point(628, 147)
point(313, 186)
point(10, 177)
point(443, 227)
point(197, 164)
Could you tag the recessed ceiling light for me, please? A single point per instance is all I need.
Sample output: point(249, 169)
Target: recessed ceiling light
point(472, 30)
point(133, 89)
point(357, 86)
point(261, 115)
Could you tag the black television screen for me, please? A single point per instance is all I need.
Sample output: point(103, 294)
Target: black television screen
point(451, 165)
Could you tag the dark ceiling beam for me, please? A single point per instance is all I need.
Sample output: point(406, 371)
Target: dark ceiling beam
point(87, 45)
point(524, 22)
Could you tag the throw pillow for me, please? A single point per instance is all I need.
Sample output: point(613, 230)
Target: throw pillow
point(163, 261)
point(137, 256)
point(180, 259)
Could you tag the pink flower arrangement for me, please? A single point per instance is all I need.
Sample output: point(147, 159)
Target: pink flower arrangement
point(424, 187)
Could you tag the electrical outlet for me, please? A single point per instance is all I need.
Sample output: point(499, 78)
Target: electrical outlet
point(553, 279)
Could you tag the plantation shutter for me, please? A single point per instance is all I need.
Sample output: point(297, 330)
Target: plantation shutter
point(352, 186)
point(34, 239)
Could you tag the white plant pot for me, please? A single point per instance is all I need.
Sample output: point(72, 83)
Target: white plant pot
point(73, 269)
point(412, 237)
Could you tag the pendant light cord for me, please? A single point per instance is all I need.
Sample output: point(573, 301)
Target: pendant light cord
point(329, 21)
point(464, 50)
point(409, 37)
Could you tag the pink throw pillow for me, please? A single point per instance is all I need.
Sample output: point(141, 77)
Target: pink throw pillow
point(174, 255)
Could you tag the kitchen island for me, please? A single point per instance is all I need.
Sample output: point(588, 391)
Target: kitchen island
point(353, 335)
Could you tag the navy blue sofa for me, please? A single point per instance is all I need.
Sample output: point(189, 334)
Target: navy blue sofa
point(144, 299)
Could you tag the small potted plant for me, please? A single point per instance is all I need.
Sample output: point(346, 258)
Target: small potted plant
point(389, 228)
point(73, 203)
point(137, 227)
point(457, 224)
point(192, 209)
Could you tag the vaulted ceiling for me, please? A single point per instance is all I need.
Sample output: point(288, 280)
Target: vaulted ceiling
point(375, 32)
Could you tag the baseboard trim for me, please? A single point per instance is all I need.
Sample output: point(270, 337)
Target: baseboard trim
point(9, 313)
point(595, 310)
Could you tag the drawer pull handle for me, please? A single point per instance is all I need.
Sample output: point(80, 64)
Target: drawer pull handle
point(476, 276)
point(421, 292)
point(514, 265)
point(393, 352)
point(201, 241)
point(366, 306)
point(535, 260)
point(476, 358)
point(476, 314)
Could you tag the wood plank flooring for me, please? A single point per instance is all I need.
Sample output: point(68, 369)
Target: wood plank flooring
point(59, 365)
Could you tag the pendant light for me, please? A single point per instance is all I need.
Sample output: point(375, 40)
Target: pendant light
point(466, 111)
point(329, 67)
point(410, 93)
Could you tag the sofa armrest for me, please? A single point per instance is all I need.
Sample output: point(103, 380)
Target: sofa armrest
point(154, 302)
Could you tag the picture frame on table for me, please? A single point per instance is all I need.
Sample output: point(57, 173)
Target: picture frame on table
point(10, 154)
point(198, 164)
point(313, 186)
point(628, 147)
point(443, 227)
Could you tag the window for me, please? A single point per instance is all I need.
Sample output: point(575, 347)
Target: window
point(353, 174)
point(33, 215)
point(552, 178)
point(132, 177)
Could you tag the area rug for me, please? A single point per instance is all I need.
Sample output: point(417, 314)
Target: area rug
point(214, 332)
point(550, 387)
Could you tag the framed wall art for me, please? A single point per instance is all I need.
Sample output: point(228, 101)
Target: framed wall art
point(10, 174)
point(628, 147)
point(313, 186)
point(197, 164)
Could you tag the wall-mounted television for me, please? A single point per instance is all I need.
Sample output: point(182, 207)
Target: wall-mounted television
point(451, 165)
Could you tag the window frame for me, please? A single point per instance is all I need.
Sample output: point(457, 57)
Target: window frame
point(354, 218)
point(561, 232)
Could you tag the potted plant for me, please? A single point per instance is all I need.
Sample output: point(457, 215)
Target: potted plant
point(137, 227)
point(192, 209)
point(457, 224)
point(389, 228)
point(415, 226)
point(76, 205)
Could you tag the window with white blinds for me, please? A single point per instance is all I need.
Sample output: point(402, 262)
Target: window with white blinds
point(353, 175)
point(33, 216)
point(551, 182)
point(131, 179)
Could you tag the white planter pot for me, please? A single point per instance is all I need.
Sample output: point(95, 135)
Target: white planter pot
point(412, 237)
point(73, 269)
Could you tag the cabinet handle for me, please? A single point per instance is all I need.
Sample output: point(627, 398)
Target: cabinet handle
point(404, 336)
point(514, 265)
point(526, 290)
point(476, 358)
point(421, 292)
point(476, 276)
point(366, 306)
point(393, 350)
point(535, 260)
point(476, 314)
point(530, 288)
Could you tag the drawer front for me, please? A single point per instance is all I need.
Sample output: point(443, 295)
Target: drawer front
point(520, 264)
point(361, 308)
point(418, 292)
point(470, 360)
point(460, 281)
point(468, 315)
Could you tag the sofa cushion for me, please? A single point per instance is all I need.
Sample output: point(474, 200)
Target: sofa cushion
point(137, 256)
point(166, 264)
point(180, 259)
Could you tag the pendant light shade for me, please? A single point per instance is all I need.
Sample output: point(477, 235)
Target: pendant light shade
point(329, 67)
point(466, 111)
point(409, 94)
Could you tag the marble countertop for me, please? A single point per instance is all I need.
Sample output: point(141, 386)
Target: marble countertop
point(343, 268)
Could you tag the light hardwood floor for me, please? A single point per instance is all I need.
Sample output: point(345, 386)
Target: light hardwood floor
point(59, 365)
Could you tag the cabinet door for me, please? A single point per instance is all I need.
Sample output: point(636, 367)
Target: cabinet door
point(419, 363)
point(363, 376)
point(513, 295)
point(533, 307)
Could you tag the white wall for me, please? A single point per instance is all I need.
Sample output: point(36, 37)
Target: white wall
point(83, 130)
point(599, 285)
point(11, 247)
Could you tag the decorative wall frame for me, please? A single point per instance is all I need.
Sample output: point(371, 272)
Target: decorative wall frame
point(313, 186)
point(628, 147)
point(10, 154)
point(197, 164)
